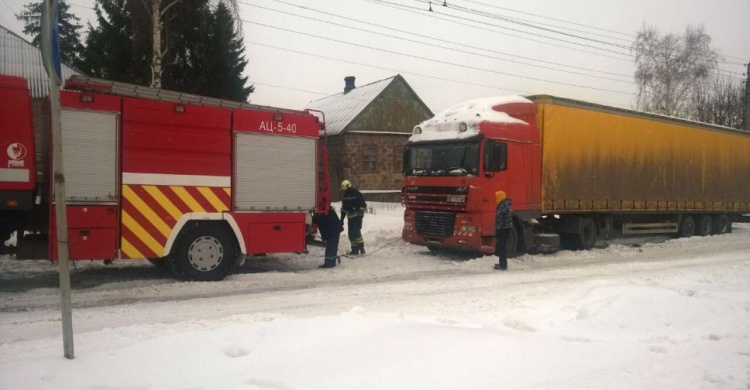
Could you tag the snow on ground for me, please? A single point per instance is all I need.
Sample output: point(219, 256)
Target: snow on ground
point(644, 314)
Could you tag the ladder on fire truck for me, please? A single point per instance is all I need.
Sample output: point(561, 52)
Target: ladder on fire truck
point(93, 84)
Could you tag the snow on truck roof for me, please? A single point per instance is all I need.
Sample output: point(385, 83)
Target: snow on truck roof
point(447, 125)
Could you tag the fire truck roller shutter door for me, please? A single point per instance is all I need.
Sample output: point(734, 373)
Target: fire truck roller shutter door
point(274, 173)
point(90, 155)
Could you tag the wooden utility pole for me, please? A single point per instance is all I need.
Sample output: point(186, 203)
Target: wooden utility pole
point(51, 58)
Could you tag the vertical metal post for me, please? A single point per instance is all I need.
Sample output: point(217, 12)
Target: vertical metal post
point(61, 219)
point(747, 98)
point(51, 57)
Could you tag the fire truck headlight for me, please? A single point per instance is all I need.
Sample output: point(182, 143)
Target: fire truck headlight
point(468, 229)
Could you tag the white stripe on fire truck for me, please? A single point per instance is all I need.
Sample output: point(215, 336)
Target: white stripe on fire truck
point(16, 175)
point(164, 179)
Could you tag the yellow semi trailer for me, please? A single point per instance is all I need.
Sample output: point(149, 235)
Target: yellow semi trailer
point(634, 172)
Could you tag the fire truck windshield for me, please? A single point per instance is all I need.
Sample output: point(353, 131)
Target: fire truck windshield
point(453, 159)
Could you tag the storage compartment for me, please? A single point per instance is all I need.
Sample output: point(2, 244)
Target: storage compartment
point(87, 244)
point(275, 237)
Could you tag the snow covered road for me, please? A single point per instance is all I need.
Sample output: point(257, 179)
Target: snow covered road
point(673, 314)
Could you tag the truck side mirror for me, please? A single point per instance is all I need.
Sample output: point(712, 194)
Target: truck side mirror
point(405, 159)
point(495, 157)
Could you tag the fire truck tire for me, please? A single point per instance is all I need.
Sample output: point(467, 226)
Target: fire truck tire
point(204, 251)
point(159, 263)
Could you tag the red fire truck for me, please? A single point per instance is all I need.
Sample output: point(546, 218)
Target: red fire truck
point(575, 172)
point(185, 181)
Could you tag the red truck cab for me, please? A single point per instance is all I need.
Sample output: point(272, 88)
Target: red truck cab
point(455, 162)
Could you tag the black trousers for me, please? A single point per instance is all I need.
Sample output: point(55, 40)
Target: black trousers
point(332, 248)
point(355, 234)
point(501, 246)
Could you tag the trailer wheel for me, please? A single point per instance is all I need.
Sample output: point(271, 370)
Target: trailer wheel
point(204, 251)
point(588, 234)
point(687, 226)
point(723, 224)
point(705, 225)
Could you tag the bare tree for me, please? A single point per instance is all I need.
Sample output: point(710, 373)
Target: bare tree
point(719, 101)
point(668, 68)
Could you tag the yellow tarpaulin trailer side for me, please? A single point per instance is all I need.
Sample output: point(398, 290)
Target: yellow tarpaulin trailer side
point(602, 159)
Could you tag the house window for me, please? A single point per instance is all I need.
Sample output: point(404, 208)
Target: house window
point(369, 159)
point(398, 159)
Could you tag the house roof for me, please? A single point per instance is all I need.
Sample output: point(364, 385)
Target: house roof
point(342, 108)
point(20, 58)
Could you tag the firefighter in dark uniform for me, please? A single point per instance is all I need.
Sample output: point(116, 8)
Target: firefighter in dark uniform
point(353, 207)
point(330, 227)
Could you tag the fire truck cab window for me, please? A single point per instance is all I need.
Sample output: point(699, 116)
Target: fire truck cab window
point(444, 159)
point(495, 156)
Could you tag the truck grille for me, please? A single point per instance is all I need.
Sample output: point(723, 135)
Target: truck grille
point(435, 224)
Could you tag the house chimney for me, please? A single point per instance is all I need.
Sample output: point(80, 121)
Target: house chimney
point(349, 83)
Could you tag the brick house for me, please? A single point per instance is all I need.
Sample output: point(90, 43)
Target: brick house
point(367, 128)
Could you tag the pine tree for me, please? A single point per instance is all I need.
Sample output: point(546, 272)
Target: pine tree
point(68, 28)
point(226, 61)
point(118, 48)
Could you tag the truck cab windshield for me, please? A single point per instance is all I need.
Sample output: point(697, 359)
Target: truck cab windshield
point(454, 159)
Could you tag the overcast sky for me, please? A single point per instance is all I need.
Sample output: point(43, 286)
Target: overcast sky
point(301, 50)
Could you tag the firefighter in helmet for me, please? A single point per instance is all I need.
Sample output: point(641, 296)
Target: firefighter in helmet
point(353, 208)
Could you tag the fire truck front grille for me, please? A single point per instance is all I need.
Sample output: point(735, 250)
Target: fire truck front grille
point(435, 224)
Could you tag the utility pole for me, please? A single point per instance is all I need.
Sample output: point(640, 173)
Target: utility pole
point(747, 98)
point(51, 59)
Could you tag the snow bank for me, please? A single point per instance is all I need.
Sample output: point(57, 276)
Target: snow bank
point(445, 125)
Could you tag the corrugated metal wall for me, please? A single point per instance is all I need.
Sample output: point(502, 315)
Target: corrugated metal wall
point(20, 58)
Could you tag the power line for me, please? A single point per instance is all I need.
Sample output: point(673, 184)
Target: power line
point(549, 18)
point(439, 46)
point(434, 60)
point(386, 68)
point(474, 22)
point(406, 72)
point(531, 25)
point(421, 12)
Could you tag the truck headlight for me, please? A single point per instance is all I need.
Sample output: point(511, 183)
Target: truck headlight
point(468, 229)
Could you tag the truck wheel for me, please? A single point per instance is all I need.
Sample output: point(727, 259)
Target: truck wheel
point(587, 236)
point(687, 226)
point(723, 224)
point(204, 252)
point(705, 225)
point(160, 263)
point(511, 249)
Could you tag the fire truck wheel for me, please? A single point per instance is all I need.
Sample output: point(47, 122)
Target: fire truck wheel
point(204, 251)
point(159, 263)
